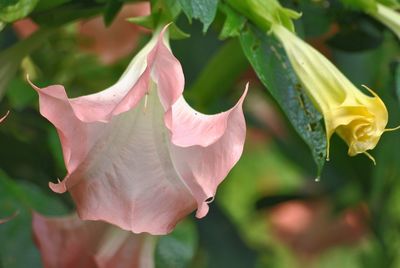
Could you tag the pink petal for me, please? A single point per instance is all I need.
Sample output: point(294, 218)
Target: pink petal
point(66, 242)
point(117, 40)
point(135, 83)
point(124, 249)
point(189, 127)
point(205, 147)
point(25, 27)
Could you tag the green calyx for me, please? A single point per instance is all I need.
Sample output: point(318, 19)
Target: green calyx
point(265, 13)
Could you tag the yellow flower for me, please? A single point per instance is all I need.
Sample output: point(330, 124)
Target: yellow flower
point(357, 118)
point(388, 17)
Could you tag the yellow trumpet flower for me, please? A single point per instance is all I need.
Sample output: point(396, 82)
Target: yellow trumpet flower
point(357, 118)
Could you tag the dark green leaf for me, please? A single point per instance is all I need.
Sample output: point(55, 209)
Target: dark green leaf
point(274, 70)
point(16, 10)
point(176, 33)
point(390, 3)
point(144, 21)
point(16, 247)
point(11, 58)
point(397, 80)
point(177, 249)
point(233, 23)
point(211, 85)
point(21, 94)
point(111, 11)
point(65, 13)
point(5, 3)
point(164, 11)
point(357, 35)
point(316, 19)
point(222, 244)
point(47, 4)
point(204, 10)
point(362, 5)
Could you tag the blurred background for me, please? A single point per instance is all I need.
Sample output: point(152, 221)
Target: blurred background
point(274, 209)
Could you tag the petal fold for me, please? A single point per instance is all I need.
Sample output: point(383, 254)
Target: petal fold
point(189, 127)
point(67, 241)
point(206, 155)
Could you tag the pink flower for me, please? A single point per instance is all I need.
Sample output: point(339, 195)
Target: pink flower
point(25, 27)
point(137, 155)
point(309, 227)
point(66, 242)
point(116, 41)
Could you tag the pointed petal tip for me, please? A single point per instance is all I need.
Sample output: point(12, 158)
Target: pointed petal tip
point(31, 83)
point(241, 99)
point(197, 128)
point(247, 86)
point(246, 89)
point(59, 187)
point(371, 91)
point(163, 30)
point(4, 117)
point(167, 26)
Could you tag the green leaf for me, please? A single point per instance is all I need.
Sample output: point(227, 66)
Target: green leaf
point(10, 59)
point(21, 94)
point(397, 80)
point(144, 21)
point(150, 22)
point(59, 15)
point(265, 13)
point(272, 66)
point(210, 85)
point(316, 19)
point(176, 33)
point(357, 34)
point(221, 242)
point(16, 247)
point(361, 5)
point(6, 3)
point(233, 23)
point(164, 11)
point(111, 11)
point(48, 4)
point(204, 10)
point(177, 249)
point(15, 10)
point(391, 3)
